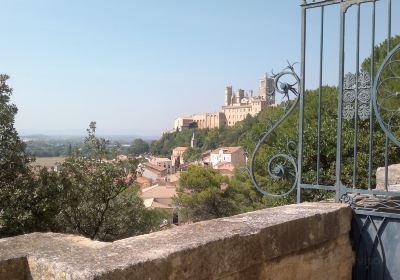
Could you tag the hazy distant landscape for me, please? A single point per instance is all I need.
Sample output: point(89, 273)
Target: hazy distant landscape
point(44, 146)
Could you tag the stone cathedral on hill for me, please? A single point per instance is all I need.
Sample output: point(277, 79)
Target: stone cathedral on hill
point(238, 104)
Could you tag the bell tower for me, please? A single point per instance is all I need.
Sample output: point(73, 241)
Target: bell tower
point(193, 142)
point(228, 95)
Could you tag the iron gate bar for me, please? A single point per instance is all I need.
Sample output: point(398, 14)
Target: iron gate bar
point(388, 51)
point(340, 102)
point(371, 116)
point(356, 100)
point(301, 98)
point(321, 58)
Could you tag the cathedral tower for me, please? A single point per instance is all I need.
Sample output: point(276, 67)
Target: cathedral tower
point(266, 88)
point(228, 95)
point(240, 95)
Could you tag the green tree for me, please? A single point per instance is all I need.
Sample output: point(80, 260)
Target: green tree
point(192, 154)
point(15, 175)
point(69, 150)
point(95, 148)
point(171, 140)
point(100, 200)
point(380, 53)
point(138, 147)
point(212, 139)
point(45, 202)
point(201, 194)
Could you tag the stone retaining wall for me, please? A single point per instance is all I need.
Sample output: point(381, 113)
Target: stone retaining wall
point(304, 241)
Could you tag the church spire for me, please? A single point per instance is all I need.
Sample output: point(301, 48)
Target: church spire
point(193, 142)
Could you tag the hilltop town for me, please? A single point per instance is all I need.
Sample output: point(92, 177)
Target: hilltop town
point(159, 176)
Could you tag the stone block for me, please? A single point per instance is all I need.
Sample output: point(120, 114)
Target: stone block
point(393, 177)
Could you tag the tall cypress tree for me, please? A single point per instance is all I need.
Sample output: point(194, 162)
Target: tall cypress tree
point(14, 169)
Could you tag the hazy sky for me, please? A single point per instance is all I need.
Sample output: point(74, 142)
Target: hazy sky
point(134, 66)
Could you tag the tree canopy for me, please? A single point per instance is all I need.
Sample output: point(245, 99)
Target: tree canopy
point(138, 147)
point(201, 196)
point(15, 175)
point(100, 199)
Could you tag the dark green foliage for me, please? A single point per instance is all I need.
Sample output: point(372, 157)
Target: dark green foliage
point(138, 147)
point(26, 202)
point(205, 194)
point(13, 159)
point(45, 202)
point(170, 140)
point(99, 199)
point(191, 154)
point(15, 176)
point(45, 149)
point(380, 52)
point(200, 196)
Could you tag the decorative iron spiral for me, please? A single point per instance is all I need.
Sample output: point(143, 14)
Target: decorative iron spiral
point(386, 95)
point(277, 166)
point(346, 198)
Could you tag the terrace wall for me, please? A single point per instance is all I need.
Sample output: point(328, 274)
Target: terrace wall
point(304, 241)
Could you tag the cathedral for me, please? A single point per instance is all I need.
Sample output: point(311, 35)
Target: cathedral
point(238, 104)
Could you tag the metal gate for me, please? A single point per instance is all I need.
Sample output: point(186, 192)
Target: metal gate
point(345, 152)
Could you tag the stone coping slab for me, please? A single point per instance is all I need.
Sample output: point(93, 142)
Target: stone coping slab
point(203, 250)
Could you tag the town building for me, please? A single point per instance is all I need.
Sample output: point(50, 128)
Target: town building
point(163, 163)
point(159, 196)
point(152, 171)
point(177, 153)
point(237, 105)
point(203, 120)
point(177, 156)
point(232, 155)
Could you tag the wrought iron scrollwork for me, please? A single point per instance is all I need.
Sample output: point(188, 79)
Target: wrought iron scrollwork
point(348, 199)
point(357, 87)
point(280, 166)
point(386, 95)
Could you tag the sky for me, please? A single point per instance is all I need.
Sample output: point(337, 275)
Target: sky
point(134, 66)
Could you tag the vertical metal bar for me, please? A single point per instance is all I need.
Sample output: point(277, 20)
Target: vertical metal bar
point(301, 100)
point(371, 116)
point(386, 163)
point(339, 110)
point(389, 25)
point(321, 53)
point(388, 51)
point(356, 100)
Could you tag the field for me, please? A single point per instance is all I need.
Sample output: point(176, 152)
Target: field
point(47, 161)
